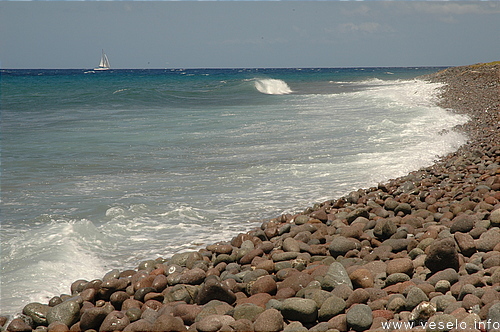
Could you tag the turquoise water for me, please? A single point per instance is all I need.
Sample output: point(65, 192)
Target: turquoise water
point(102, 170)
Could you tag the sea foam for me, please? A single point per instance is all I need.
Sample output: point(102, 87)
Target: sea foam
point(271, 86)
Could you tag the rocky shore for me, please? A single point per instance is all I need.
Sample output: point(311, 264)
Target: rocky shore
point(420, 253)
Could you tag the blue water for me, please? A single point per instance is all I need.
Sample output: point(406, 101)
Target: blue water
point(102, 170)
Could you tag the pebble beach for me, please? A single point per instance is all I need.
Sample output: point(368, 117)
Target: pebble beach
point(419, 253)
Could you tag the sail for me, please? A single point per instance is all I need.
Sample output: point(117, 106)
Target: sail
point(104, 63)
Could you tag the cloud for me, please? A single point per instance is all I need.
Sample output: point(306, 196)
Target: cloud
point(454, 8)
point(365, 27)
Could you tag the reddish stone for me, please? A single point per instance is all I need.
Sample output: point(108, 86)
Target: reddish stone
point(270, 320)
point(265, 284)
point(187, 312)
point(296, 281)
point(260, 299)
point(400, 265)
point(246, 259)
point(387, 314)
point(339, 322)
point(285, 293)
point(361, 278)
point(168, 322)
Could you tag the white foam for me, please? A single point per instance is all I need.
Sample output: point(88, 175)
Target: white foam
point(40, 263)
point(271, 86)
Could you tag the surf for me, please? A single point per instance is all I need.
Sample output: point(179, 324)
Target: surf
point(270, 86)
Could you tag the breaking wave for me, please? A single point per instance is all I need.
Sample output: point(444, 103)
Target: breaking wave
point(271, 86)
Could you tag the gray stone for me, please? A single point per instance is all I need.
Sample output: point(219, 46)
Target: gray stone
point(384, 228)
point(442, 286)
point(356, 214)
point(488, 240)
point(341, 245)
point(67, 313)
point(179, 259)
point(359, 317)
point(449, 274)
point(335, 276)
point(303, 310)
point(395, 278)
point(248, 311)
point(186, 293)
point(301, 219)
point(295, 327)
point(291, 245)
point(441, 323)
point(494, 312)
point(463, 223)
point(331, 307)
point(495, 218)
point(414, 297)
point(403, 207)
point(443, 301)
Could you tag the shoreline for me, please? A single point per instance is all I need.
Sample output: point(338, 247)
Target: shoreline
point(354, 263)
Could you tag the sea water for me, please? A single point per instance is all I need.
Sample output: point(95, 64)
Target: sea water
point(103, 170)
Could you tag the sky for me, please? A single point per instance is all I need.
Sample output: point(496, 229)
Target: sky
point(236, 34)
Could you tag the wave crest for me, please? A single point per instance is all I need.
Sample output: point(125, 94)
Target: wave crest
point(272, 86)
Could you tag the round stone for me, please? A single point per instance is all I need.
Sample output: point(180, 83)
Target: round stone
point(359, 317)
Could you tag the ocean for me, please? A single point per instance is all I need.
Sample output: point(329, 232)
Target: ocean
point(102, 170)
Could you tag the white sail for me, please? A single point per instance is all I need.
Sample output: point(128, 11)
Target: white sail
point(104, 63)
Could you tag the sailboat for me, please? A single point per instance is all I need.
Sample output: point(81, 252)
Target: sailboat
point(104, 63)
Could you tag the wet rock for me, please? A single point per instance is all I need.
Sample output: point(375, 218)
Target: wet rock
point(18, 325)
point(67, 313)
point(93, 317)
point(213, 289)
point(133, 314)
point(38, 312)
point(115, 321)
point(139, 326)
point(117, 299)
